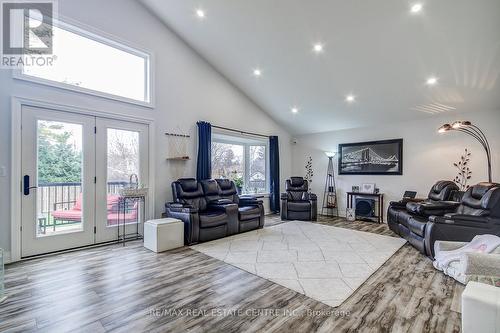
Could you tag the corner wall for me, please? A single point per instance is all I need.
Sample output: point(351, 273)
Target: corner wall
point(187, 88)
point(428, 156)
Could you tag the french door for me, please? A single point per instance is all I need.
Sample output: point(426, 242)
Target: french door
point(73, 168)
point(121, 152)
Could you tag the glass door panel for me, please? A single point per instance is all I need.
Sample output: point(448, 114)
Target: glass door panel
point(59, 182)
point(123, 161)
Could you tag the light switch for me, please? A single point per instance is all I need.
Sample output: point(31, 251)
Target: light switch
point(3, 171)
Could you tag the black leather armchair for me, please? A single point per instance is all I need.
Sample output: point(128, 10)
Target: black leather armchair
point(205, 216)
point(409, 218)
point(297, 203)
point(478, 213)
point(250, 210)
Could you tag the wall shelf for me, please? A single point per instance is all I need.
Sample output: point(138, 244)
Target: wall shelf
point(178, 158)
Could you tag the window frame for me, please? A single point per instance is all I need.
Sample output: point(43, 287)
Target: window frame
point(106, 39)
point(246, 153)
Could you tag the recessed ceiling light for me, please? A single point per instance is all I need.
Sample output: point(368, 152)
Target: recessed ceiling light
point(200, 13)
point(431, 81)
point(257, 72)
point(318, 48)
point(350, 98)
point(416, 8)
point(295, 109)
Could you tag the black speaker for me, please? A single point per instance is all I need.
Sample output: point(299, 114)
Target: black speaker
point(365, 207)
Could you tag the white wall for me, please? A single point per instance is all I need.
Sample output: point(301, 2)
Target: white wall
point(428, 156)
point(188, 89)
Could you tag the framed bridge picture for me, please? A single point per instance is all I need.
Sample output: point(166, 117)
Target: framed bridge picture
point(371, 158)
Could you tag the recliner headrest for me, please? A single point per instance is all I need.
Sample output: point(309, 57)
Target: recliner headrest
point(227, 187)
point(479, 190)
point(210, 187)
point(297, 184)
point(224, 184)
point(440, 185)
point(297, 181)
point(443, 190)
point(484, 196)
point(188, 184)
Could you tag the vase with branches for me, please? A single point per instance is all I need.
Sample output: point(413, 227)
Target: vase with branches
point(464, 171)
point(309, 171)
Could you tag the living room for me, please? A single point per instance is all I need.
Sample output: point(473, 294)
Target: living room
point(248, 166)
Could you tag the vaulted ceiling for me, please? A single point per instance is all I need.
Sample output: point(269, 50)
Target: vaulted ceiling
point(378, 51)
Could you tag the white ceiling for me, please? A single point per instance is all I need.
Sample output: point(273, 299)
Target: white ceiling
point(375, 50)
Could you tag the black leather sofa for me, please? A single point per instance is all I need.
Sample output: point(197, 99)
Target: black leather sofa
point(297, 203)
point(409, 218)
point(478, 214)
point(208, 212)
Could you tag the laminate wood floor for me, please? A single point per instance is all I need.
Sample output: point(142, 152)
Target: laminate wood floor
point(130, 289)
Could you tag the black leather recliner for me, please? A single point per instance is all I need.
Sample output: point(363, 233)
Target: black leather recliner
point(211, 209)
point(409, 218)
point(478, 213)
point(206, 217)
point(297, 203)
point(250, 210)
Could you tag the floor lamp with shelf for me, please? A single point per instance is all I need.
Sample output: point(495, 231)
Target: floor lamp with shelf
point(330, 206)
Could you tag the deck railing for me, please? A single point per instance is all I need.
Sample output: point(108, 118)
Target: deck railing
point(63, 196)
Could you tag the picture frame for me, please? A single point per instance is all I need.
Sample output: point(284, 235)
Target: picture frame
point(355, 189)
point(383, 157)
point(368, 188)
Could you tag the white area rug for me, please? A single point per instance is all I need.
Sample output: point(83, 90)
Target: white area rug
point(323, 262)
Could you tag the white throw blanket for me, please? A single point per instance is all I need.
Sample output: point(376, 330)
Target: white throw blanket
point(479, 244)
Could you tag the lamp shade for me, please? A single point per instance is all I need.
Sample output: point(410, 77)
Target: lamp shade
point(330, 153)
point(444, 128)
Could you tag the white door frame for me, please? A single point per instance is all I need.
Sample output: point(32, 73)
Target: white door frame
point(17, 104)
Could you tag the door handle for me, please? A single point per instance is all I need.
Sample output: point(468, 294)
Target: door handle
point(26, 185)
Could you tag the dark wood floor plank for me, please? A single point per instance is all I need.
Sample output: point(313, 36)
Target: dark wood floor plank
point(130, 289)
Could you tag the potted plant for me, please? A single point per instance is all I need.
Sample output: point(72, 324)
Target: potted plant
point(238, 181)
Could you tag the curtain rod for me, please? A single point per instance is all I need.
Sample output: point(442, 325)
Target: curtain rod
point(241, 132)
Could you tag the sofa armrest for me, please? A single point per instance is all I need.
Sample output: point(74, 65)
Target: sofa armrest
point(428, 208)
point(402, 203)
point(484, 264)
point(250, 202)
point(220, 202)
point(180, 208)
point(312, 197)
point(231, 211)
point(223, 207)
point(189, 215)
point(465, 220)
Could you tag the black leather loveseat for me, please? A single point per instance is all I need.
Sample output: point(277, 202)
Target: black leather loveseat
point(409, 218)
point(210, 213)
point(297, 203)
point(478, 214)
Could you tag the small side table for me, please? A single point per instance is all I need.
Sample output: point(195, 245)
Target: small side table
point(124, 205)
point(379, 198)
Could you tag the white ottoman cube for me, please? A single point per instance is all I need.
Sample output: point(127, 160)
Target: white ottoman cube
point(480, 308)
point(163, 234)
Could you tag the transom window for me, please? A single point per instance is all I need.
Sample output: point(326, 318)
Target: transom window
point(242, 159)
point(92, 64)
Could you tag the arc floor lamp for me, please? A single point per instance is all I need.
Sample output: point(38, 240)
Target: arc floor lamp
point(467, 127)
